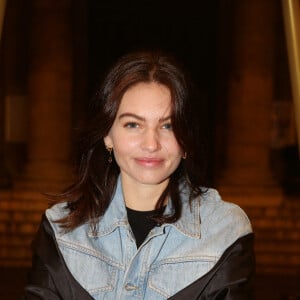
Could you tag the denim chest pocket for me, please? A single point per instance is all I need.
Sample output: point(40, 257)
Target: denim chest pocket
point(169, 276)
point(95, 272)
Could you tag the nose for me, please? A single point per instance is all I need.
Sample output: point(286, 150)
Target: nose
point(151, 141)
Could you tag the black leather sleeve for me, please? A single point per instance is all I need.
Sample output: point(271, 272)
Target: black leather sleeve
point(49, 278)
point(230, 279)
point(40, 283)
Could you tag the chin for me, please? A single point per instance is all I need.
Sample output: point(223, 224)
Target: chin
point(152, 181)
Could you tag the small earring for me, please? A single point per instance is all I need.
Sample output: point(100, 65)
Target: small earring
point(109, 149)
point(184, 156)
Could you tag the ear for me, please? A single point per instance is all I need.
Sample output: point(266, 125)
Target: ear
point(108, 141)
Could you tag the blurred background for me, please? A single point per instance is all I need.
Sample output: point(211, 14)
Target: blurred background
point(242, 55)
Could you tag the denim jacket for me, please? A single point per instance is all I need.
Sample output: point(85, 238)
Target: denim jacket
point(109, 266)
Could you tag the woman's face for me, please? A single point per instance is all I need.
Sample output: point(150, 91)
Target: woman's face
point(143, 142)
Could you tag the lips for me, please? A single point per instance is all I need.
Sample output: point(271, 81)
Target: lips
point(149, 161)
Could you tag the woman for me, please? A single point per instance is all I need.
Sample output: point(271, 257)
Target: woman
point(137, 223)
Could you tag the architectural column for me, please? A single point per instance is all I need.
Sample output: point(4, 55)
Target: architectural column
point(50, 92)
point(4, 175)
point(46, 100)
point(247, 174)
point(13, 91)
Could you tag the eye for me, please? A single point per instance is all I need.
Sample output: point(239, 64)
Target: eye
point(131, 125)
point(167, 126)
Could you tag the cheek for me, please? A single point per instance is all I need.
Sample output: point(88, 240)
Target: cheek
point(123, 145)
point(173, 148)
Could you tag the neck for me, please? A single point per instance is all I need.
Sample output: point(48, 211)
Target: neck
point(142, 197)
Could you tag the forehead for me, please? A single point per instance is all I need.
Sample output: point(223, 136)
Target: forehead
point(146, 98)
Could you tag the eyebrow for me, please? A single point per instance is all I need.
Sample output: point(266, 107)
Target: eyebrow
point(124, 115)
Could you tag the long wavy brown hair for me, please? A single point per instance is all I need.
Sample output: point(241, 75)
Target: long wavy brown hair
point(91, 193)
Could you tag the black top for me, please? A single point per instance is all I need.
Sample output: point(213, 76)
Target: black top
point(141, 223)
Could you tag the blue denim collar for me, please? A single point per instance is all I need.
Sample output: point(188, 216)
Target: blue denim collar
point(115, 216)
